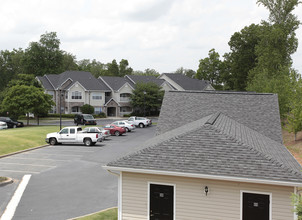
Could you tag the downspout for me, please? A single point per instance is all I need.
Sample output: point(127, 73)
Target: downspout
point(119, 202)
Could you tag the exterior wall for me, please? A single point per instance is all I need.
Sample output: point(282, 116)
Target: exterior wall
point(166, 87)
point(125, 89)
point(175, 85)
point(191, 203)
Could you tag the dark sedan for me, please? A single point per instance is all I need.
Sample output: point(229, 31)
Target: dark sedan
point(10, 123)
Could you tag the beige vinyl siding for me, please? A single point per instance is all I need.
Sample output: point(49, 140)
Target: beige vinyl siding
point(191, 203)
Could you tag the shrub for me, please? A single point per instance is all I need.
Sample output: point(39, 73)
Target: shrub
point(87, 109)
point(102, 115)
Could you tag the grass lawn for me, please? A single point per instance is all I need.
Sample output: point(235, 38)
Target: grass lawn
point(109, 214)
point(12, 140)
point(2, 179)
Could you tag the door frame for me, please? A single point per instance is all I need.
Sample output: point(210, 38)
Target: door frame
point(255, 192)
point(165, 184)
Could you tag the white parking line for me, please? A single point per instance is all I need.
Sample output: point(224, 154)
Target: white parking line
point(24, 164)
point(71, 155)
point(20, 171)
point(33, 158)
point(12, 205)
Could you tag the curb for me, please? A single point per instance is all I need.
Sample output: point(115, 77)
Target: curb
point(91, 213)
point(6, 182)
point(22, 151)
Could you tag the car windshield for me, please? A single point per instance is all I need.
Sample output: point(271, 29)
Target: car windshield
point(88, 117)
point(100, 128)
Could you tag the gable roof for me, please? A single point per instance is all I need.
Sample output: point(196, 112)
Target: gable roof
point(114, 82)
point(259, 112)
point(86, 79)
point(188, 83)
point(134, 79)
point(216, 146)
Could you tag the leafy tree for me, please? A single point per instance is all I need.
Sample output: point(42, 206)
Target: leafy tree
point(113, 68)
point(210, 69)
point(147, 72)
point(188, 72)
point(45, 56)
point(297, 202)
point(87, 109)
point(147, 97)
point(124, 68)
point(22, 99)
point(294, 117)
point(69, 62)
point(242, 57)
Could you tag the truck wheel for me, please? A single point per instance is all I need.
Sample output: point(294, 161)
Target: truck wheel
point(117, 133)
point(87, 142)
point(53, 141)
point(141, 125)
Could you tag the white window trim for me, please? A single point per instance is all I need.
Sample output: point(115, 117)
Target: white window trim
point(174, 196)
point(256, 192)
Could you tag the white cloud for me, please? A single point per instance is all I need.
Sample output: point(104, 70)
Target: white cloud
point(159, 34)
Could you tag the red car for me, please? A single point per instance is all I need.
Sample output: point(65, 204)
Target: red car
point(115, 130)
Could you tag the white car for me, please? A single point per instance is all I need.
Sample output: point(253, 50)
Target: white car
point(105, 133)
point(3, 125)
point(140, 121)
point(125, 124)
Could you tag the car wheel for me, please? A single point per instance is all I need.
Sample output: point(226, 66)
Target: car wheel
point(117, 133)
point(53, 141)
point(141, 125)
point(127, 129)
point(88, 142)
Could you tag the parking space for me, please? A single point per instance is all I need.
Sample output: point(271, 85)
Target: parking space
point(68, 180)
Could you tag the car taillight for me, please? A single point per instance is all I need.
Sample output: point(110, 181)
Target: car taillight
point(96, 135)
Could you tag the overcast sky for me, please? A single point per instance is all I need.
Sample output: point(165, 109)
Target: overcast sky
point(159, 34)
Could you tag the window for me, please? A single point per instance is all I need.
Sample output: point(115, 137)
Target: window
point(97, 110)
point(96, 95)
point(72, 131)
point(126, 109)
point(125, 97)
point(64, 131)
point(66, 95)
point(76, 95)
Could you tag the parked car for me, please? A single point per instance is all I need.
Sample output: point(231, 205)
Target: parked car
point(84, 119)
point(10, 123)
point(73, 135)
point(104, 132)
point(140, 121)
point(114, 130)
point(3, 125)
point(125, 124)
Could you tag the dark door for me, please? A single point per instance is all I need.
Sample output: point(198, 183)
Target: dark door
point(161, 202)
point(255, 206)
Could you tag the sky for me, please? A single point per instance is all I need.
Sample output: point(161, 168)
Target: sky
point(157, 34)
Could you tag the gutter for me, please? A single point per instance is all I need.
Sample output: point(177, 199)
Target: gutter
point(204, 176)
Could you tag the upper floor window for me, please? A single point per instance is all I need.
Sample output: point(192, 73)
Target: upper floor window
point(97, 95)
point(66, 95)
point(76, 95)
point(125, 97)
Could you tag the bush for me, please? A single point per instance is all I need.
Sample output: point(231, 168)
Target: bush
point(87, 109)
point(56, 115)
point(127, 115)
point(102, 115)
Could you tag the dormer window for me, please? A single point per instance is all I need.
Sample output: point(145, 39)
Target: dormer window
point(76, 95)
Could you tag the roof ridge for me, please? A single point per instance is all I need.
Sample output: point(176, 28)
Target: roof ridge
point(213, 118)
point(274, 160)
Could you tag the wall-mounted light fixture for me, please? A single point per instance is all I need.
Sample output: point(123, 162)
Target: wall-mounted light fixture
point(206, 190)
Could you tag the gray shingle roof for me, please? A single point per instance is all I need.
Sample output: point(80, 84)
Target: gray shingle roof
point(259, 112)
point(145, 79)
point(114, 82)
point(188, 83)
point(86, 79)
point(216, 145)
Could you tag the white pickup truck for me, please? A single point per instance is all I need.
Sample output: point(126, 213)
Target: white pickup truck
point(73, 135)
point(140, 121)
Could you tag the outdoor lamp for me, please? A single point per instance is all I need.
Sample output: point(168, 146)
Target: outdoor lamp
point(206, 190)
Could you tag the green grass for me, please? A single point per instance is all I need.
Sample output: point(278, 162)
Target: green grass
point(109, 214)
point(12, 140)
point(2, 179)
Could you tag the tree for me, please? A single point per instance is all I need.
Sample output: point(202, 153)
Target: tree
point(22, 99)
point(147, 97)
point(187, 72)
point(45, 56)
point(294, 117)
point(210, 69)
point(297, 203)
point(87, 109)
point(124, 68)
point(242, 57)
point(147, 72)
point(113, 68)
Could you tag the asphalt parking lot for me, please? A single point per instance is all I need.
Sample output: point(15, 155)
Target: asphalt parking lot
point(67, 180)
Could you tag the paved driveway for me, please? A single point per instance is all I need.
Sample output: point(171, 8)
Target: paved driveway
point(67, 180)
